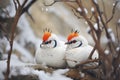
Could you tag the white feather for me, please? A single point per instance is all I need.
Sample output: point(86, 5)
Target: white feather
point(75, 56)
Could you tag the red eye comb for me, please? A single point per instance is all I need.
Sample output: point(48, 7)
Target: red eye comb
point(72, 35)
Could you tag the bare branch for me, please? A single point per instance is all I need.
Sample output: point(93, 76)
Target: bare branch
point(88, 61)
point(113, 12)
point(58, 1)
point(16, 18)
point(28, 6)
point(15, 4)
point(25, 1)
point(18, 2)
point(104, 10)
point(51, 3)
point(90, 56)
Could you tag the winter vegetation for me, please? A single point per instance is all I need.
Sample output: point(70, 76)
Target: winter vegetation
point(20, 38)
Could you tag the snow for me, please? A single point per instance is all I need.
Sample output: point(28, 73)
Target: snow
point(96, 26)
point(27, 57)
point(11, 9)
point(27, 35)
point(4, 43)
point(111, 34)
point(2, 69)
point(107, 52)
point(56, 75)
point(79, 9)
point(92, 9)
point(86, 11)
point(113, 4)
point(96, 1)
point(118, 48)
point(118, 21)
point(82, 74)
point(19, 68)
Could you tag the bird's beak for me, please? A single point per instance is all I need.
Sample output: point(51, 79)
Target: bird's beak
point(42, 44)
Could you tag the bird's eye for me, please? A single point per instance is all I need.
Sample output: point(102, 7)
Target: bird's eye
point(74, 41)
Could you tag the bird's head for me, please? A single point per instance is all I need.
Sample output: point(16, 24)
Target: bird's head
point(49, 40)
point(74, 40)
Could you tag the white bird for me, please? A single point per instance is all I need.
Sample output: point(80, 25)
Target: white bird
point(78, 49)
point(51, 51)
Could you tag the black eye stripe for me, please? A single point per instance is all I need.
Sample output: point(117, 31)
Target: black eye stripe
point(47, 42)
point(74, 41)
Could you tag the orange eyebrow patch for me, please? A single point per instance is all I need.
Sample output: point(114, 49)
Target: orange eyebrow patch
point(72, 35)
point(46, 36)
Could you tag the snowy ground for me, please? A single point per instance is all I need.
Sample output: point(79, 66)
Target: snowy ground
point(18, 68)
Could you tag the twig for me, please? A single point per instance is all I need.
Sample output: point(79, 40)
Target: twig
point(104, 10)
point(88, 61)
point(40, 67)
point(113, 12)
point(51, 3)
point(117, 33)
point(16, 18)
point(15, 4)
point(76, 15)
point(58, 1)
point(18, 2)
point(25, 9)
point(28, 6)
point(92, 52)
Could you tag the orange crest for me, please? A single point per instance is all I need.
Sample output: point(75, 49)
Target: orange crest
point(72, 35)
point(46, 35)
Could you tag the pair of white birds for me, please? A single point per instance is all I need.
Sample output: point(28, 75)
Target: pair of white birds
point(53, 52)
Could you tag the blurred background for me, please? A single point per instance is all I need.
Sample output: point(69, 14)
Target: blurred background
point(58, 17)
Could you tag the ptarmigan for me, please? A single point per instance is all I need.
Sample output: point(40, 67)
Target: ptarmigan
point(78, 49)
point(51, 51)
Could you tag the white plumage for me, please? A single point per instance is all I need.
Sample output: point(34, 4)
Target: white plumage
point(51, 52)
point(78, 50)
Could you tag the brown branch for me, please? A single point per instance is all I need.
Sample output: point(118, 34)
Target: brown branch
point(16, 18)
point(90, 67)
point(104, 10)
point(15, 4)
point(92, 52)
point(25, 9)
point(88, 61)
point(76, 14)
point(98, 47)
point(82, 13)
point(18, 2)
point(113, 12)
point(28, 6)
point(58, 1)
point(51, 3)
point(41, 67)
point(96, 16)
point(22, 6)
point(117, 33)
